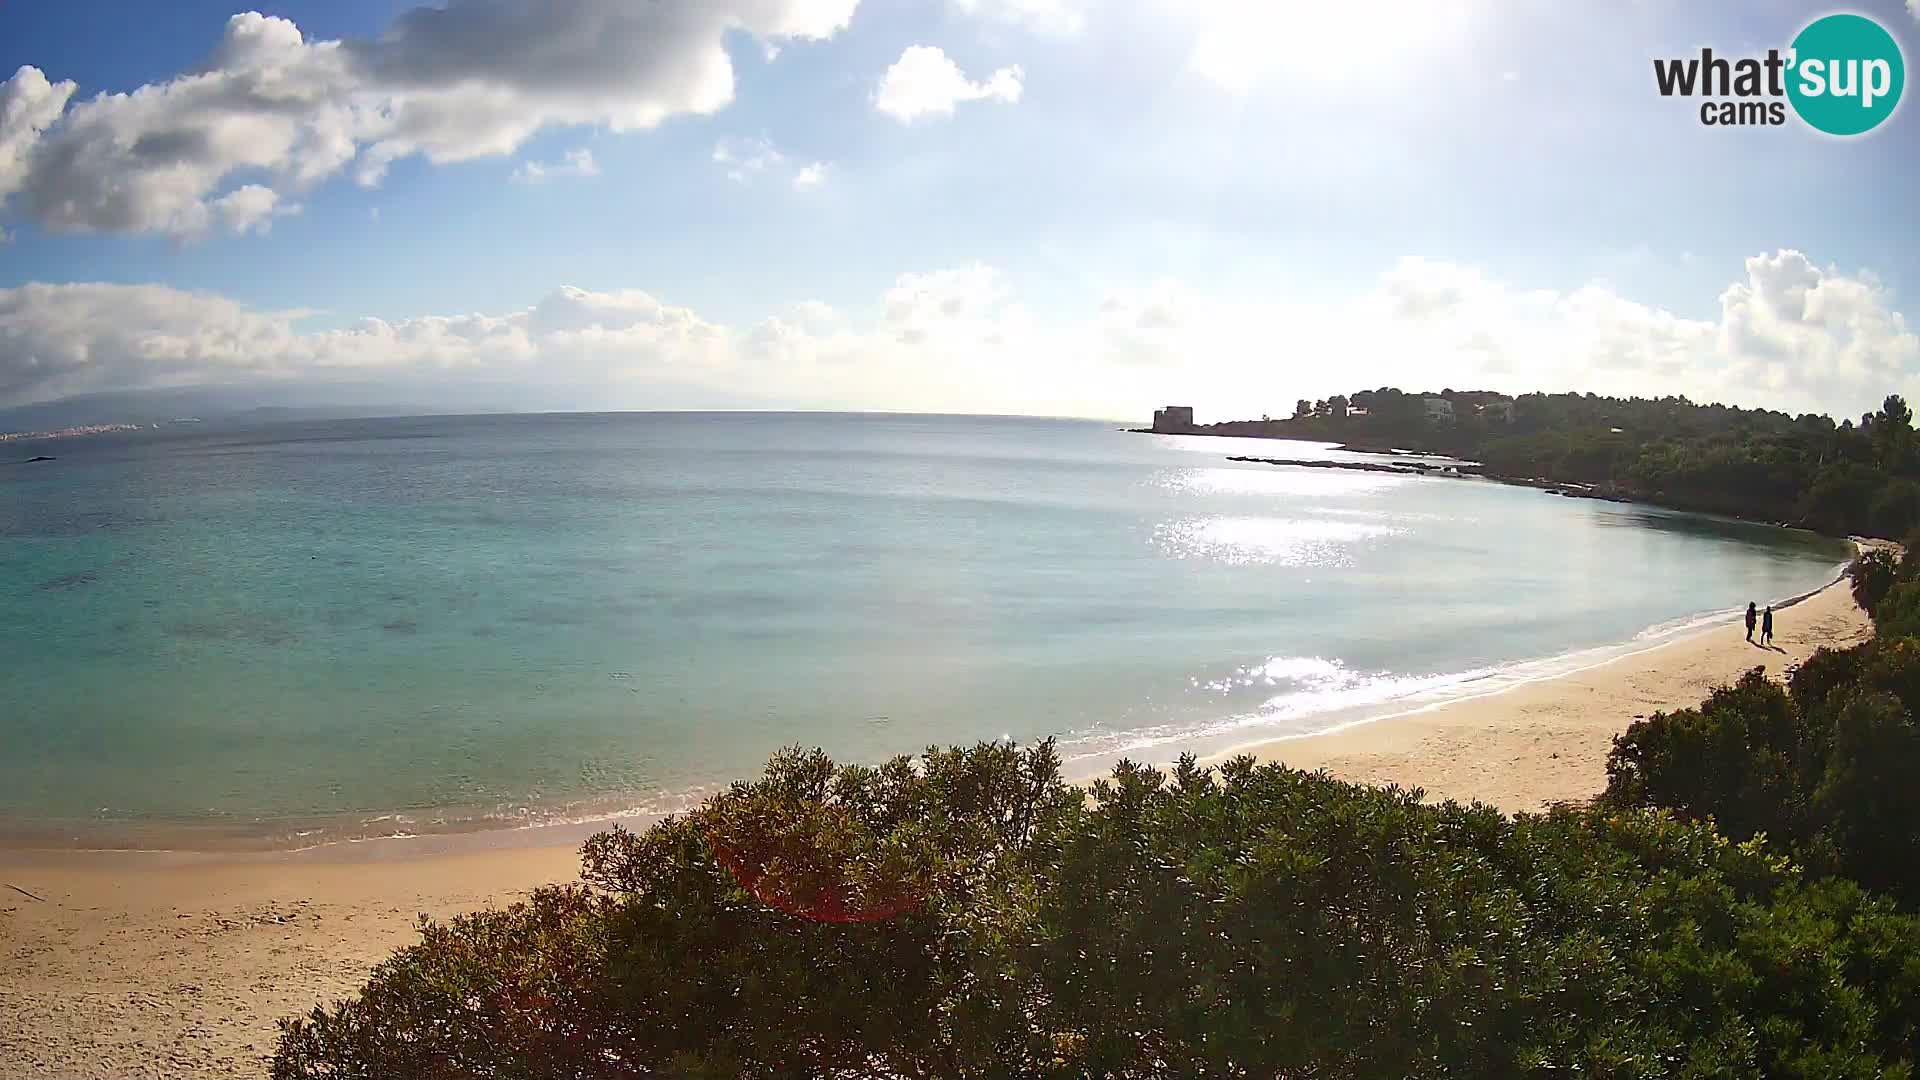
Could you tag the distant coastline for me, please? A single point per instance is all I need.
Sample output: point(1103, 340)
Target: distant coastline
point(1761, 466)
point(66, 433)
point(1460, 470)
point(1442, 466)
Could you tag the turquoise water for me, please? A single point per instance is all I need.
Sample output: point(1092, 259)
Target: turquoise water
point(350, 628)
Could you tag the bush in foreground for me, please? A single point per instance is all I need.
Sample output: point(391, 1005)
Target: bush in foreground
point(1822, 767)
point(973, 916)
point(1872, 575)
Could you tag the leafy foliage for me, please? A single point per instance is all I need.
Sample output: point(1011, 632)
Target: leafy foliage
point(1742, 758)
point(1873, 574)
point(1897, 615)
point(1822, 767)
point(1245, 922)
point(1845, 478)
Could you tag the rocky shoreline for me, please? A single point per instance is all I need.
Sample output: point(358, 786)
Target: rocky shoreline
point(1452, 469)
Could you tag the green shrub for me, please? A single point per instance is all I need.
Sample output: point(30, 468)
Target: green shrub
point(1867, 800)
point(1822, 768)
point(1873, 574)
point(1897, 615)
point(1738, 758)
point(973, 916)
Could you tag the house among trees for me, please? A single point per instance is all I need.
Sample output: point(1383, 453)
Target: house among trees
point(1498, 410)
point(1439, 409)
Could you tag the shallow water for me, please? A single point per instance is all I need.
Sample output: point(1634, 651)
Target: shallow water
point(323, 630)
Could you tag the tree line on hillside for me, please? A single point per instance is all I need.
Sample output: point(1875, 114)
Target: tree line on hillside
point(1841, 478)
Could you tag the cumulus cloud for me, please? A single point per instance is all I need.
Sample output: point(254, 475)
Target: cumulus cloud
point(926, 82)
point(269, 108)
point(251, 209)
point(810, 176)
point(946, 303)
point(1059, 17)
point(576, 163)
point(61, 340)
point(1787, 333)
point(29, 104)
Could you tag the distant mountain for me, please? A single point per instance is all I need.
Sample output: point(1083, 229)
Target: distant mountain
point(267, 402)
point(211, 404)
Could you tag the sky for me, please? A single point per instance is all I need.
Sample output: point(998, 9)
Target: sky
point(1055, 207)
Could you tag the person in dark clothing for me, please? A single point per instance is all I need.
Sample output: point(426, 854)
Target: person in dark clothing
point(1750, 619)
point(1766, 627)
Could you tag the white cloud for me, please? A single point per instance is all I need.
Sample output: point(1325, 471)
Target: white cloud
point(1060, 17)
point(29, 104)
point(944, 298)
point(60, 340)
point(251, 209)
point(575, 163)
point(474, 78)
point(925, 82)
point(1787, 334)
point(810, 176)
point(745, 158)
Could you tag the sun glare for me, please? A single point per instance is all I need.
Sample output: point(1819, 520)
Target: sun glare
point(1242, 44)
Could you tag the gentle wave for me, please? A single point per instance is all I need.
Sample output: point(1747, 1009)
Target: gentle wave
point(1319, 696)
point(1326, 696)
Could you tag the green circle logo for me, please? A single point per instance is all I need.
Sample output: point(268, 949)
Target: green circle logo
point(1846, 74)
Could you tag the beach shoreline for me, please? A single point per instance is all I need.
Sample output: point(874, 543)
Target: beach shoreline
point(164, 963)
point(418, 832)
point(1529, 746)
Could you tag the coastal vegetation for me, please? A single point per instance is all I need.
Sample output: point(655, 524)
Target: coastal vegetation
point(971, 914)
point(1841, 478)
point(1820, 769)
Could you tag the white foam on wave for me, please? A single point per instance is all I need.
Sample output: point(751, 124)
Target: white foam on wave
point(1325, 695)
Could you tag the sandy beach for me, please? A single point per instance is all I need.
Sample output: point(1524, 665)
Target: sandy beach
point(1546, 742)
point(164, 964)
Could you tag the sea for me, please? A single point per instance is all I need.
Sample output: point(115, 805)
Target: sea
point(309, 633)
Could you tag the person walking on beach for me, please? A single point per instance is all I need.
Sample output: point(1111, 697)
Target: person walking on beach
point(1766, 626)
point(1750, 619)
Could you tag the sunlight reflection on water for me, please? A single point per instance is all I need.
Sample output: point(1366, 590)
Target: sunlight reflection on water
point(1299, 483)
point(1239, 541)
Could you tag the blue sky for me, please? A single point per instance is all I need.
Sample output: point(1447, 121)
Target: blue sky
point(1224, 201)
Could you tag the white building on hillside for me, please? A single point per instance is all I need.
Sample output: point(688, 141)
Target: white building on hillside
point(1439, 408)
